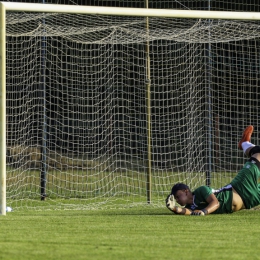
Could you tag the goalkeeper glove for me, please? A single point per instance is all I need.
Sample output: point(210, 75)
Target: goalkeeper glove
point(170, 202)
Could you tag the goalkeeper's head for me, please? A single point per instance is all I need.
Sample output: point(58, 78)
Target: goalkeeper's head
point(181, 193)
point(179, 186)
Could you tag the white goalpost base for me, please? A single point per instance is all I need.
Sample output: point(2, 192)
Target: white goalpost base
point(109, 107)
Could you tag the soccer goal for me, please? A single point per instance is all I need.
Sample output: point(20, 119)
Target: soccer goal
point(109, 107)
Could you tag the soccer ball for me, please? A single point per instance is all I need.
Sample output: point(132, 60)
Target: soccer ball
point(9, 209)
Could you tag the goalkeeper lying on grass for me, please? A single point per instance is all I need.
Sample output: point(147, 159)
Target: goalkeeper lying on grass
point(242, 193)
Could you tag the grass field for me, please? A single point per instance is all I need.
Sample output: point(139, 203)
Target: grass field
point(136, 233)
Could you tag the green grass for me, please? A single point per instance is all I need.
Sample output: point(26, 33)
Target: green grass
point(136, 233)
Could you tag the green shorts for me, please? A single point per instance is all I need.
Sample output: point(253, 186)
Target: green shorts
point(246, 183)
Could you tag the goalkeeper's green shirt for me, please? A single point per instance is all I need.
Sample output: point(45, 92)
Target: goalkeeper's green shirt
point(224, 196)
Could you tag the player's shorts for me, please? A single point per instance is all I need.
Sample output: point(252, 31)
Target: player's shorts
point(246, 183)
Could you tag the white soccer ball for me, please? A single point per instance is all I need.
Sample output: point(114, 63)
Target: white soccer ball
point(9, 209)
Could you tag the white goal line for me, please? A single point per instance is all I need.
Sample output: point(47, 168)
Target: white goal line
point(120, 11)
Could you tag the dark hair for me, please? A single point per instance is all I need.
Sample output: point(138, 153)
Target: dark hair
point(179, 186)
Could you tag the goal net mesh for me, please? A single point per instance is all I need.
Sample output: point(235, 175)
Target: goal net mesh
point(81, 92)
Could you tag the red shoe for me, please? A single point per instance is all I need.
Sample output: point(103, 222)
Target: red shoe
point(246, 136)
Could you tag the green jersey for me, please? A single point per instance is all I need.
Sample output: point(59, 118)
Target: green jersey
point(224, 196)
point(246, 183)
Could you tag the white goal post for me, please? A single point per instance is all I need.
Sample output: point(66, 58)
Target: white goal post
point(164, 181)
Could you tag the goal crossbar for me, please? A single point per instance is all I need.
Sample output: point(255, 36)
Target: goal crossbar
point(141, 12)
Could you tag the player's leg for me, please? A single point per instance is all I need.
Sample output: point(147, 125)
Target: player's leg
point(244, 143)
point(252, 151)
point(255, 153)
point(246, 181)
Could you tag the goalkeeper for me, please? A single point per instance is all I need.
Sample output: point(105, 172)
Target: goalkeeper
point(242, 193)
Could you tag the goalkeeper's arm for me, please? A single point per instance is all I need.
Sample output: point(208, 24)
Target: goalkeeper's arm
point(171, 205)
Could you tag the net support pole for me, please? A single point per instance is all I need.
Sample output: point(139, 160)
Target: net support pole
point(148, 105)
point(2, 111)
point(208, 87)
point(43, 178)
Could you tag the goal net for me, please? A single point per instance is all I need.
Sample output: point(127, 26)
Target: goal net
point(111, 111)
